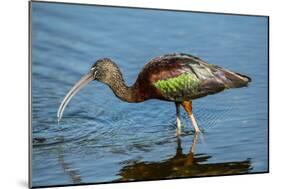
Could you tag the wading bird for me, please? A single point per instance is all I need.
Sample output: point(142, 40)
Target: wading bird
point(179, 78)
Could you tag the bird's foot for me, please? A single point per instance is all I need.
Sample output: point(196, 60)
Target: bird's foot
point(178, 123)
point(178, 132)
point(197, 130)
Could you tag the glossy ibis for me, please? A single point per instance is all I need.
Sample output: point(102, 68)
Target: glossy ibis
point(179, 78)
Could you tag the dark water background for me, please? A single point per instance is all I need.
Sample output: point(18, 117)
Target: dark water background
point(102, 139)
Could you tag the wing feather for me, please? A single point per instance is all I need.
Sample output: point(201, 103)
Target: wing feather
point(182, 76)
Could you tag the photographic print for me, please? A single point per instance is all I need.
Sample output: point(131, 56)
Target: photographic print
point(121, 94)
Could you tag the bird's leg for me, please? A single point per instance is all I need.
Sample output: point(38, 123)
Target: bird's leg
point(190, 155)
point(194, 142)
point(178, 118)
point(187, 105)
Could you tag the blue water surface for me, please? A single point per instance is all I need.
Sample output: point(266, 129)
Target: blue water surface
point(101, 138)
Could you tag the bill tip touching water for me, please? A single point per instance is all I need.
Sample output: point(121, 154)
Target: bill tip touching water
point(179, 78)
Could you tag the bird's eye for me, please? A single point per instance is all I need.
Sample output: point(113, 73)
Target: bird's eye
point(95, 73)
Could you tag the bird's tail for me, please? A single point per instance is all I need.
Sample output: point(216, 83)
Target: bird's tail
point(234, 80)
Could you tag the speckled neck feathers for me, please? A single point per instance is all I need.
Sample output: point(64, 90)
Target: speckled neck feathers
point(120, 89)
point(109, 74)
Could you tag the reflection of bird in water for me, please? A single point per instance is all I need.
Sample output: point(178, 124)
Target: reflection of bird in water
point(179, 78)
point(182, 165)
point(67, 168)
point(73, 174)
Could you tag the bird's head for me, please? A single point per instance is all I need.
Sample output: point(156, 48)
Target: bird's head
point(103, 70)
point(106, 71)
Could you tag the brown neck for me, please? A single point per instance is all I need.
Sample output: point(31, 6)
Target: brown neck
point(122, 91)
point(113, 77)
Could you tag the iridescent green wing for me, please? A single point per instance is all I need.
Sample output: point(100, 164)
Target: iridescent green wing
point(179, 87)
point(182, 77)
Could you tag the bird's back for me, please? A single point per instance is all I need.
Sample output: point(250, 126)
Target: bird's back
point(180, 77)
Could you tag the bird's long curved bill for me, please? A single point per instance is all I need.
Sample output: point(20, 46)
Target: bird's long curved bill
point(76, 88)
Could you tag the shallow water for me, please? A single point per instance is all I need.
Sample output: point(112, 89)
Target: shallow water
point(102, 139)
